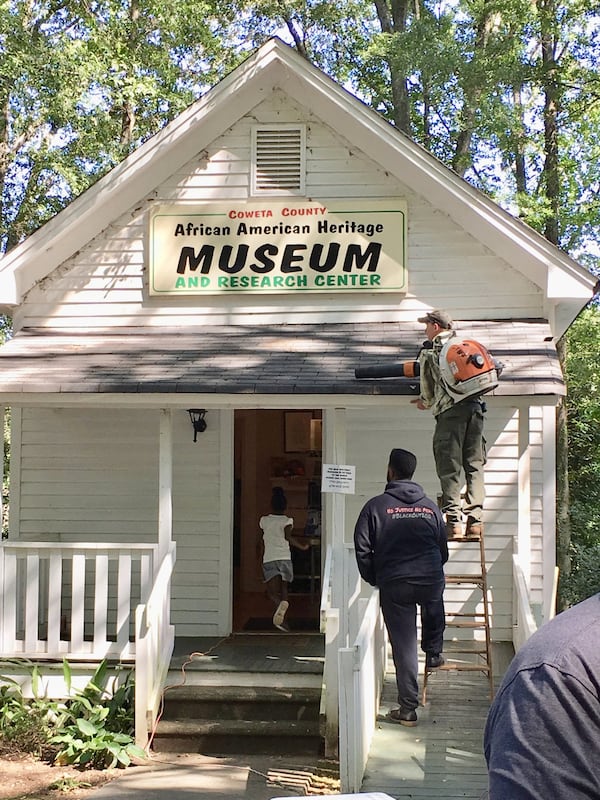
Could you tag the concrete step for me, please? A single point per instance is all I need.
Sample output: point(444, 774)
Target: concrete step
point(220, 720)
point(241, 703)
point(249, 737)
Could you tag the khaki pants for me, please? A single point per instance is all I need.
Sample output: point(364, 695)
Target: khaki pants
point(459, 450)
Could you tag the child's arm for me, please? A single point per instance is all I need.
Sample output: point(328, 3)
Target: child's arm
point(295, 541)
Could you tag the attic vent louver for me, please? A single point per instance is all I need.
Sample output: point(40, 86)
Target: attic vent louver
point(278, 159)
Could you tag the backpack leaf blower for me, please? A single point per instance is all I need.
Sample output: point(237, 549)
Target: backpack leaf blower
point(467, 368)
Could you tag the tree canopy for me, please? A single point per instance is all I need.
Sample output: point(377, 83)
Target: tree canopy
point(505, 92)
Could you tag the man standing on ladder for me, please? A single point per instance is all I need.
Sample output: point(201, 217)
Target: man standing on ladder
point(458, 442)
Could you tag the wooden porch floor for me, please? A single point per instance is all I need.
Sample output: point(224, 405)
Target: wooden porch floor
point(296, 653)
point(442, 757)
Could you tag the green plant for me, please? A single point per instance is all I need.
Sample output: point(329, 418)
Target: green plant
point(25, 724)
point(68, 784)
point(584, 578)
point(94, 728)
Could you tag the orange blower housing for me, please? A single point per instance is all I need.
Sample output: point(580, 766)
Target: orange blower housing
point(467, 368)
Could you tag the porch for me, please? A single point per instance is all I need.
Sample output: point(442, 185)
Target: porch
point(443, 756)
point(349, 659)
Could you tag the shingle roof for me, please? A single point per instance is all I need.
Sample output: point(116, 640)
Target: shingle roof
point(260, 359)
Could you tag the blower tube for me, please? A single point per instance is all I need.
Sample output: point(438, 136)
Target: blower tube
point(404, 369)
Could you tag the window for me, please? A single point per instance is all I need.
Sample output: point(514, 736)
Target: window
point(278, 159)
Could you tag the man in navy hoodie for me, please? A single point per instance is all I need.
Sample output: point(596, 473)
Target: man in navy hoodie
point(401, 547)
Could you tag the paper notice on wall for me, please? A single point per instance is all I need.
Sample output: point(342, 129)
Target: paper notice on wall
point(338, 478)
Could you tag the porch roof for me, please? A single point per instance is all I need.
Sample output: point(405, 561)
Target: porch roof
point(310, 359)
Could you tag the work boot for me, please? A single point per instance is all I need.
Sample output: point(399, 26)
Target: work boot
point(474, 527)
point(454, 530)
point(433, 661)
point(404, 716)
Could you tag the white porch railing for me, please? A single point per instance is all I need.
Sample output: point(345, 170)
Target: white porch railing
point(154, 640)
point(362, 669)
point(330, 627)
point(524, 624)
point(355, 662)
point(73, 601)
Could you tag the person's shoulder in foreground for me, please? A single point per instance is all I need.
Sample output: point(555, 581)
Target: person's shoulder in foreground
point(542, 737)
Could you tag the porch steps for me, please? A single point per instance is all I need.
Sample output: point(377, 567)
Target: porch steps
point(262, 718)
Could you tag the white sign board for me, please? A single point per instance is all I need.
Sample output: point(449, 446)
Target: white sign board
point(338, 478)
point(280, 246)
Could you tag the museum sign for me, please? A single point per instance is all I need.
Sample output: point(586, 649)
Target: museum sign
point(279, 246)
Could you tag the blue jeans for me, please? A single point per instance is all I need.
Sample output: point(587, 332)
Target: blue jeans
point(399, 602)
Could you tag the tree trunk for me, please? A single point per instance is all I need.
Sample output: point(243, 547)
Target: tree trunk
point(393, 20)
point(128, 108)
point(520, 140)
point(473, 92)
point(552, 91)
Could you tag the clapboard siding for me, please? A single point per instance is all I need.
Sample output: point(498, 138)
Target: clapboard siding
point(93, 477)
point(370, 438)
point(104, 284)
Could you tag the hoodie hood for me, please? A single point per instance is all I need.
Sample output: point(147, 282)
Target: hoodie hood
point(405, 491)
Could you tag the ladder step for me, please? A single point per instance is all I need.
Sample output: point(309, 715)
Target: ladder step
point(465, 623)
point(478, 579)
point(476, 651)
point(449, 666)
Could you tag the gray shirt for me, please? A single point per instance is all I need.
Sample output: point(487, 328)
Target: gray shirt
point(542, 738)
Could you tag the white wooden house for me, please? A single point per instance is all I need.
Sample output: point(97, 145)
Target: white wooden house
point(243, 262)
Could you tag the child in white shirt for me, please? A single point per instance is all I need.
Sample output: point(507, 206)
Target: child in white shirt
point(275, 540)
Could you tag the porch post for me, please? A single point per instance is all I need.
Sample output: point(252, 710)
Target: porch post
point(524, 495)
point(334, 452)
point(334, 432)
point(549, 511)
point(165, 485)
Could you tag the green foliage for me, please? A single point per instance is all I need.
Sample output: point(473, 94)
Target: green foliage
point(95, 730)
point(583, 406)
point(92, 729)
point(584, 578)
point(25, 725)
point(82, 84)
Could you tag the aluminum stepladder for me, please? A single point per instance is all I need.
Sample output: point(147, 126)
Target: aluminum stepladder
point(463, 654)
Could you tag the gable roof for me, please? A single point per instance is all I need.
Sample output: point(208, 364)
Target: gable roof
point(247, 360)
point(567, 286)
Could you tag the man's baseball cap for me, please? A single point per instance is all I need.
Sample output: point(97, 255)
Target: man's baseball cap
point(443, 319)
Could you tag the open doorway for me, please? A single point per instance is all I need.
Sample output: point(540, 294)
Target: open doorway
point(277, 448)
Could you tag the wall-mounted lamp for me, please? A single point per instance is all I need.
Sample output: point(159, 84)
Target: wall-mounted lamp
point(198, 421)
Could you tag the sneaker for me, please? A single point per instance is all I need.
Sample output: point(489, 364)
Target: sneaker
point(434, 661)
point(403, 716)
point(282, 626)
point(474, 527)
point(454, 530)
point(279, 614)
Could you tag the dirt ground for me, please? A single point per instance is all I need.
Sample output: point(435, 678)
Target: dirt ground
point(28, 779)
